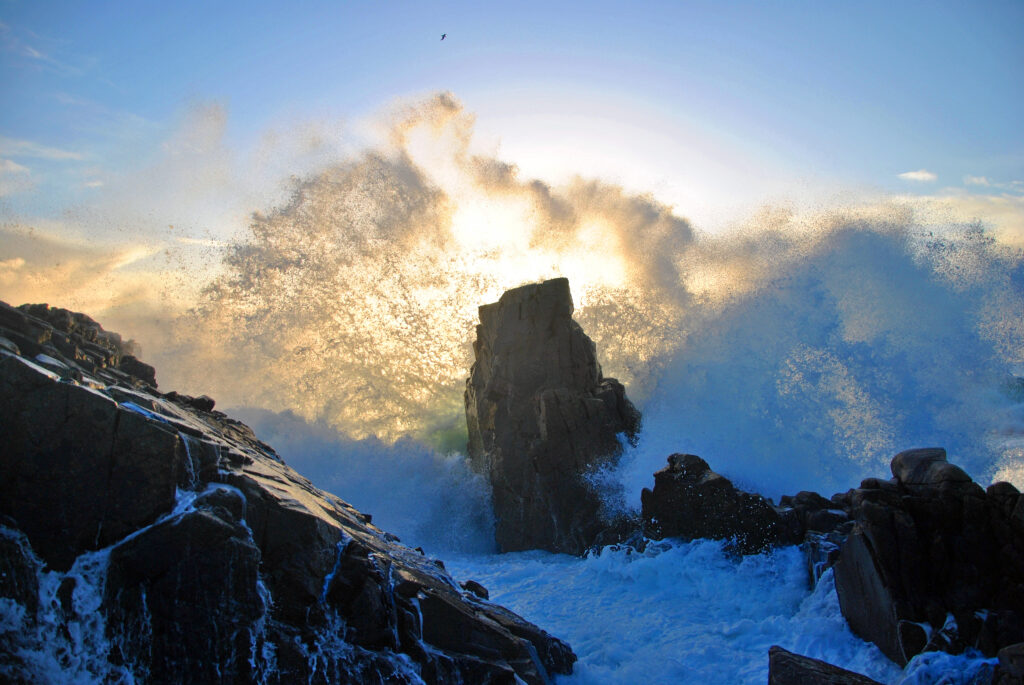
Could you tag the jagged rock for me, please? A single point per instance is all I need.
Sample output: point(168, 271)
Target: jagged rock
point(821, 551)
point(1011, 664)
point(19, 568)
point(476, 588)
point(192, 584)
point(211, 560)
point(19, 603)
point(80, 472)
point(926, 468)
point(933, 562)
point(691, 501)
point(814, 512)
point(541, 416)
point(787, 668)
point(143, 372)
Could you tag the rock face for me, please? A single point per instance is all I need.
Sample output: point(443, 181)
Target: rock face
point(691, 501)
point(934, 562)
point(146, 538)
point(787, 668)
point(540, 417)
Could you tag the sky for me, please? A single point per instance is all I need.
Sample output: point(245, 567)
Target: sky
point(713, 107)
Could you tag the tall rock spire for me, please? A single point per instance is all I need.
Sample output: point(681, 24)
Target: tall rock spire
point(541, 417)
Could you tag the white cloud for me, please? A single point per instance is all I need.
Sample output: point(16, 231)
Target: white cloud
point(9, 166)
point(14, 178)
point(919, 176)
point(13, 147)
point(976, 181)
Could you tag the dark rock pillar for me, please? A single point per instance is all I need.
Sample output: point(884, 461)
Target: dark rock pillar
point(541, 416)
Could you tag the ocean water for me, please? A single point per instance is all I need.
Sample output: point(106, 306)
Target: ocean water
point(679, 613)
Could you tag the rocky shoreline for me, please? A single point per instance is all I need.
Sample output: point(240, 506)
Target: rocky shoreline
point(147, 536)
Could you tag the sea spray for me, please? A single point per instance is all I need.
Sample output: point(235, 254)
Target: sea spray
point(798, 352)
point(429, 499)
point(862, 347)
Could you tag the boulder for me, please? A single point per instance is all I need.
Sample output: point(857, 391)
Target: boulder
point(926, 469)
point(180, 548)
point(933, 562)
point(541, 417)
point(691, 501)
point(787, 668)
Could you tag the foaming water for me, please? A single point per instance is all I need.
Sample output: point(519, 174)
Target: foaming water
point(681, 613)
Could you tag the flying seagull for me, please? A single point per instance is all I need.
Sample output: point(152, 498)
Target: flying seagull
point(443, 35)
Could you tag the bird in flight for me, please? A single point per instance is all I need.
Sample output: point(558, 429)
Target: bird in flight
point(443, 35)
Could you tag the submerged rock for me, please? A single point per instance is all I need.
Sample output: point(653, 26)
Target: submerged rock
point(691, 501)
point(541, 417)
point(154, 540)
point(934, 562)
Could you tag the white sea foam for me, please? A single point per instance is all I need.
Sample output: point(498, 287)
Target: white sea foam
point(687, 613)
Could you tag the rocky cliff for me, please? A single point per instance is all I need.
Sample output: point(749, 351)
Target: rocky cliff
point(146, 537)
point(541, 417)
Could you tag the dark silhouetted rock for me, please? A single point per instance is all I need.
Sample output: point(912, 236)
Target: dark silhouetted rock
point(1011, 665)
point(934, 562)
point(927, 469)
point(541, 417)
point(787, 668)
point(80, 472)
point(691, 501)
point(208, 558)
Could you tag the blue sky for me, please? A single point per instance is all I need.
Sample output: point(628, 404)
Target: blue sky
point(707, 105)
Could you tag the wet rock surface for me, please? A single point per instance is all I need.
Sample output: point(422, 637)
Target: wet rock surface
point(934, 562)
point(541, 417)
point(787, 668)
point(205, 557)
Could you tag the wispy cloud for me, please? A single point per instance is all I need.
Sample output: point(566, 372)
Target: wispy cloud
point(9, 166)
point(14, 178)
point(985, 182)
point(919, 176)
point(16, 45)
point(13, 147)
